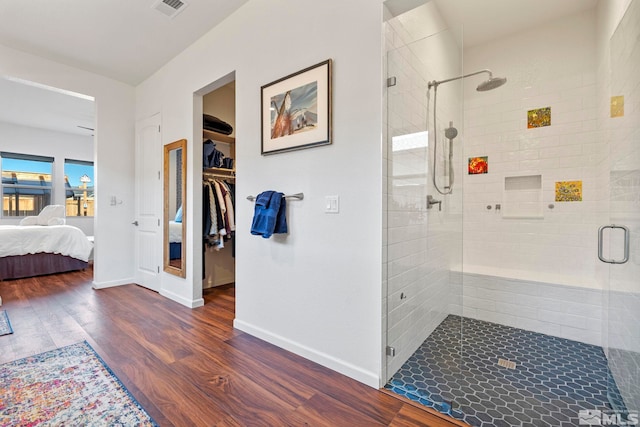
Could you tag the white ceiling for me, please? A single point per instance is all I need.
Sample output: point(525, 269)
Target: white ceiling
point(127, 40)
point(486, 20)
point(123, 39)
point(26, 104)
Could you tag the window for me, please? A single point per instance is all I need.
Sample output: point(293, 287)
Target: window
point(26, 183)
point(78, 182)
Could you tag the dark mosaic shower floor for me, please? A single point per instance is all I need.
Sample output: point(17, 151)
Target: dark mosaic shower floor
point(554, 377)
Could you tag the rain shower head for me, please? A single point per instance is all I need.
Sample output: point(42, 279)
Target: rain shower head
point(492, 83)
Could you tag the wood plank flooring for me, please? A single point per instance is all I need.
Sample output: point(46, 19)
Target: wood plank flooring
point(190, 367)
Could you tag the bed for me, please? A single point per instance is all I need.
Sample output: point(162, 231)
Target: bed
point(175, 240)
point(34, 250)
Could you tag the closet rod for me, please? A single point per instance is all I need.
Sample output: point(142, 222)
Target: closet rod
point(297, 196)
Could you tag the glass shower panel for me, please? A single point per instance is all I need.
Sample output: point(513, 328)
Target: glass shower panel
point(423, 242)
point(624, 186)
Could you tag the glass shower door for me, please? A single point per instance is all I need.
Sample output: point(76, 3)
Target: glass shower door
point(423, 242)
point(621, 238)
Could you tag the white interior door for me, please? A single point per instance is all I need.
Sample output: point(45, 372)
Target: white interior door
point(146, 224)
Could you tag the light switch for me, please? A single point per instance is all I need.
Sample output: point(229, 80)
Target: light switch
point(332, 204)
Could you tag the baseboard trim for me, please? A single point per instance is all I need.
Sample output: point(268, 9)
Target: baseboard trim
point(112, 283)
point(181, 300)
point(345, 368)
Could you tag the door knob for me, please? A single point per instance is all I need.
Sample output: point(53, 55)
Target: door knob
point(135, 223)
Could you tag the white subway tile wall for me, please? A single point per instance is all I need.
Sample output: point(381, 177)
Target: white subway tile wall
point(550, 66)
point(570, 312)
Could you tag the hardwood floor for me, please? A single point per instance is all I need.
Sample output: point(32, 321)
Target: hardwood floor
point(190, 367)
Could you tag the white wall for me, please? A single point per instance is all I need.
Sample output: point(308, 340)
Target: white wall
point(60, 146)
point(113, 155)
point(550, 66)
point(316, 291)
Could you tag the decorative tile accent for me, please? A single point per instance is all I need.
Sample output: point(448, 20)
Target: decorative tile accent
point(456, 372)
point(478, 165)
point(617, 106)
point(569, 191)
point(539, 117)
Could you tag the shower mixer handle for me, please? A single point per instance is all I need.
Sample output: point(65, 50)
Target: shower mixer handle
point(431, 201)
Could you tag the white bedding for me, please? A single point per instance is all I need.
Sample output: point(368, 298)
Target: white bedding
point(175, 232)
point(57, 239)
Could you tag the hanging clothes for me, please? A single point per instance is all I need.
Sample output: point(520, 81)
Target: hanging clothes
point(226, 193)
point(218, 213)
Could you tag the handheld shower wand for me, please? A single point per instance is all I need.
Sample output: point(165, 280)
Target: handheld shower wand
point(450, 133)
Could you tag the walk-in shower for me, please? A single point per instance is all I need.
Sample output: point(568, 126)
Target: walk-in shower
point(450, 133)
point(497, 309)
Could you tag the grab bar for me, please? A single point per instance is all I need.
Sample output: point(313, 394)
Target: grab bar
point(626, 244)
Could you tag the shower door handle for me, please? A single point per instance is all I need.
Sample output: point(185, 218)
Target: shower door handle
point(626, 244)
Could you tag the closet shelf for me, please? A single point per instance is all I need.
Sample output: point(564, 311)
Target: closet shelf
point(218, 137)
point(219, 172)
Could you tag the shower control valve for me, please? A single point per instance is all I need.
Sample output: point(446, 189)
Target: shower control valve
point(431, 201)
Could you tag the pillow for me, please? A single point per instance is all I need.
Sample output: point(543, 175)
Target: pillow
point(178, 217)
point(29, 220)
point(56, 221)
point(51, 211)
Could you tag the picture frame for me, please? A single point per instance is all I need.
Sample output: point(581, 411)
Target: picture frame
point(296, 110)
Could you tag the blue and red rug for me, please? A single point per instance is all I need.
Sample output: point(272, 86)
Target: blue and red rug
point(68, 386)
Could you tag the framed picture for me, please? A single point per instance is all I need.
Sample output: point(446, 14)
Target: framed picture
point(296, 110)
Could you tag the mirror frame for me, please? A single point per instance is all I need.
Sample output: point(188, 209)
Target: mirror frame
point(168, 268)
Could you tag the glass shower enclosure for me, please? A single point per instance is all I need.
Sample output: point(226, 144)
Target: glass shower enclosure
point(426, 286)
point(423, 228)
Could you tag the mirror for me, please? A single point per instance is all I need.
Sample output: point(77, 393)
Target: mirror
point(175, 202)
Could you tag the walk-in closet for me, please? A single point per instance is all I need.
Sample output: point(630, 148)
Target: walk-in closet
point(218, 186)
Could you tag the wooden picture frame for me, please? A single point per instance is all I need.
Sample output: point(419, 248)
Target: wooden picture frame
point(296, 110)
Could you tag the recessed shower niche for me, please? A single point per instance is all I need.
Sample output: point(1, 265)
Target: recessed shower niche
point(522, 197)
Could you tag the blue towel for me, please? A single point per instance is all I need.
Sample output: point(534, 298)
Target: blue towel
point(281, 219)
point(269, 215)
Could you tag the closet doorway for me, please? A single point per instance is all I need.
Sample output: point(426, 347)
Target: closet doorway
point(218, 185)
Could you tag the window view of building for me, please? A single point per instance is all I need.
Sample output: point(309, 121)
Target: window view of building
point(26, 184)
point(79, 189)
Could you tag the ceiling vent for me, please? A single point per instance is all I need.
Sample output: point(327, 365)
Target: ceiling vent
point(169, 8)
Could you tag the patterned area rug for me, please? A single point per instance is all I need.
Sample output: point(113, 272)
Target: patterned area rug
point(69, 386)
point(5, 325)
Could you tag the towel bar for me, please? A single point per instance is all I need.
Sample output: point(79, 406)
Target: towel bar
point(297, 196)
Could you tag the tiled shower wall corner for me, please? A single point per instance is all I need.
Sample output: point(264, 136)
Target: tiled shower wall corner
point(418, 242)
point(624, 137)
